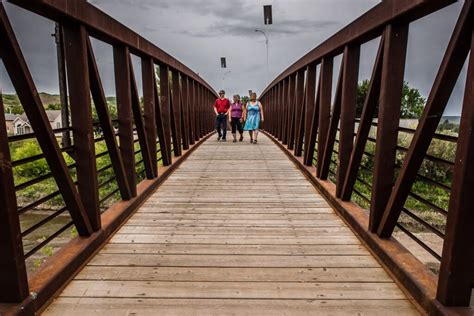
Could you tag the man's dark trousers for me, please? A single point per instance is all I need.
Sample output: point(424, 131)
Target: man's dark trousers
point(221, 123)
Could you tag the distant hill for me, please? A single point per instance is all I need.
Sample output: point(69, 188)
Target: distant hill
point(12, 104)
point(49, 98)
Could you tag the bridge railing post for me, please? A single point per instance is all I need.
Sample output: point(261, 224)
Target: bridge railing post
point(299, 112)
point(13, 278)
point(124, 110)
point(456, 276)
point(176, 112)
point(149, 112)
point(324, 109)
point(348, 112)
point(393, 69)
point(165, 109)
point(105, 121)
point(75, 38)
point(333, 126)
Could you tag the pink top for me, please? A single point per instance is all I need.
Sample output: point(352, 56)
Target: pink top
point(236, 110)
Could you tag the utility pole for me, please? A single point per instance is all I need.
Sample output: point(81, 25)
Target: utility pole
point(58, 35)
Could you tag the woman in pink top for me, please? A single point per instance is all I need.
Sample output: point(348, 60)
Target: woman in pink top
point(236, 118)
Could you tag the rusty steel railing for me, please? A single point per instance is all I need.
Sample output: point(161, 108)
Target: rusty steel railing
point(316, 131)
point(174, 116)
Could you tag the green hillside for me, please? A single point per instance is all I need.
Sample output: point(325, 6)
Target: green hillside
point(12, 104)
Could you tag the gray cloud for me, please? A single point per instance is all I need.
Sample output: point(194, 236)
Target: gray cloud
point(245, 29)
point(198, 33)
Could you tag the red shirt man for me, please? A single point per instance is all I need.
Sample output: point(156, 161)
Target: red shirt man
point(221, 107)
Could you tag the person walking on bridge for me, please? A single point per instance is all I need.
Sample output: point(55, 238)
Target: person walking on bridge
point(221, 108)
point(254, 115)
point(236, 118)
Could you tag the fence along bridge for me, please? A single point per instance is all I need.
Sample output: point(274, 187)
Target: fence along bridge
point(291, 236)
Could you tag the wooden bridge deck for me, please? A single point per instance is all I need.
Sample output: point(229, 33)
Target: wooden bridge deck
point(237, 229)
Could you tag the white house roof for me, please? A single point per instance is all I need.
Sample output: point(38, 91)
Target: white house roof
point(51, 114)
point(10, 117)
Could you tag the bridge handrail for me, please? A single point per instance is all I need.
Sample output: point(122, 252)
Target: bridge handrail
point(149, 138)
point(107, 29)
point(317, 131)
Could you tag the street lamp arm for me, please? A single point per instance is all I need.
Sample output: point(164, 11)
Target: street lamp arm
point(264, 34)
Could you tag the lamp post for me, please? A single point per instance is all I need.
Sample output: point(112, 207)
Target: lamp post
point(266, 43)
point(223, 78)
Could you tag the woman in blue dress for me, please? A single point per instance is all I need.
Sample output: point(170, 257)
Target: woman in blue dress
point(253, 117)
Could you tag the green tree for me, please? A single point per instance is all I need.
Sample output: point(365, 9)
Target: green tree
point(53, 106)
point(412, 105)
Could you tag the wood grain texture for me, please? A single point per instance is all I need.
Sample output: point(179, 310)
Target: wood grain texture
point(237, 229)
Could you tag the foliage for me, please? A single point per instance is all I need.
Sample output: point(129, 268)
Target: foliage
point(433, 170)
point(53, 106)
point(412, 101)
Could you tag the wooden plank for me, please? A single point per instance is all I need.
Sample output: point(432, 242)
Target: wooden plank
point(268, 290)
point(276, 239)
point(237, 240)
point(236, 216)
point(139, 306)
point(187, 274)
point(234, 231)
point(295, 223)
point(229, 249)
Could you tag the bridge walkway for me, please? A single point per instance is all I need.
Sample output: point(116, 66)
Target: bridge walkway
point(236, 229)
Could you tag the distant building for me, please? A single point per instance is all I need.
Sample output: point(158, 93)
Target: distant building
point(19, 124)
point(9, 119)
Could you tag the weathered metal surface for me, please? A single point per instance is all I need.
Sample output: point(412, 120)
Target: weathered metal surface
point(393, 70)
point(415, 277)
point(140, 126)
point(149, 105)
point(299, 112)
point(107, 29)
point(456, 274)
point(348, 112)
point(369, 26)
point(333, 126)
point(103, 114)
point(443, 86)
point(165, 117)
point(12, 264)
point(325, 84)
point(368, 111)
point(21, 79)
point(75, 43)
point(123, 86)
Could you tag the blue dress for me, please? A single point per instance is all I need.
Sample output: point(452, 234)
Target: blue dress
point(253, 117)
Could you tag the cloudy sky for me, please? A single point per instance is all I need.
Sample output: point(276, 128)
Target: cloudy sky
point(198, 33)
